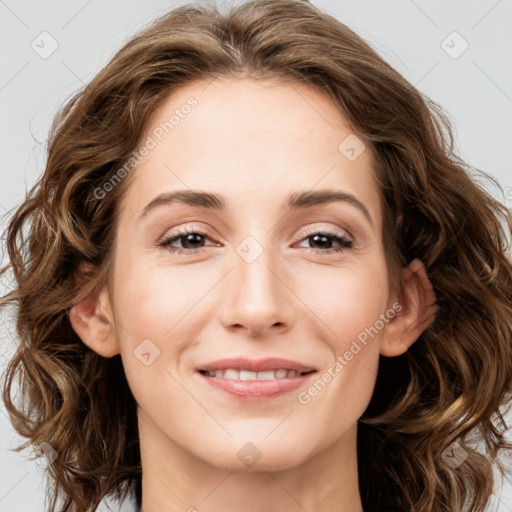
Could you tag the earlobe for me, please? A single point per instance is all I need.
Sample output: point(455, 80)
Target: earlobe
point(417, 312)
point(92, 320)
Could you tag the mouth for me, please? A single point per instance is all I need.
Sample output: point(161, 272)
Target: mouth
point(251, 380)
point(248, 375)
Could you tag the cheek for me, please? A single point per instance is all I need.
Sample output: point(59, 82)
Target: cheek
point(154, 310)
point(162, 312)
point(158, 303)
point(347, 300)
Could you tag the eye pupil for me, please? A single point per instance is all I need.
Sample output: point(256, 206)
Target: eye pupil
point(192, 238)
point(325, 240)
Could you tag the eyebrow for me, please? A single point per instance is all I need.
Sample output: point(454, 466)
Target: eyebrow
point(296, 200)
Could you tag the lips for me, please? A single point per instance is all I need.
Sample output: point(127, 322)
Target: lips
point(255, 380)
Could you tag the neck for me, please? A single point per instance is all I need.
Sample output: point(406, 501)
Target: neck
point(176, 480)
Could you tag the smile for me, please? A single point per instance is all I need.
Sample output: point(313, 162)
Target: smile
point(247, 375)
point(254, 386)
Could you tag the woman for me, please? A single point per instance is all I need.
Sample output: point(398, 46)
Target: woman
point(256, 276)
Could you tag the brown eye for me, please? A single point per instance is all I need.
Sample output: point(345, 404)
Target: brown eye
point(191, 240)
point(325, 240)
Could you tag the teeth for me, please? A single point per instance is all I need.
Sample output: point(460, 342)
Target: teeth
point(233, 374)
point(247, 375)
point(268, 375)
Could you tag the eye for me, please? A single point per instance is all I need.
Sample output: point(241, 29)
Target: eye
point(190, 239)
point(325, 239)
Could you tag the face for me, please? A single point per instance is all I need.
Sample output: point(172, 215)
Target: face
point(270, 268)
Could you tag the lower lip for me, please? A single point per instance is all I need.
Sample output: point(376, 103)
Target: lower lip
point(256, 389)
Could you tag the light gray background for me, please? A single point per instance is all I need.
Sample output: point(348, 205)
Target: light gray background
point(475, 89)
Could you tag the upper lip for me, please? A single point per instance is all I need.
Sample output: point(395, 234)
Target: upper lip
point(256, 365)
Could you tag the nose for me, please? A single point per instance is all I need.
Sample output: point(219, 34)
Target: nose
point(258, 297)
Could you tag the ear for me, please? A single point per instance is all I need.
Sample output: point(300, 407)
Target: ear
point(415, 311)
point(92, 318)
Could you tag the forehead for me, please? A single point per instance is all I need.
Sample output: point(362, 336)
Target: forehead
point(252, 139)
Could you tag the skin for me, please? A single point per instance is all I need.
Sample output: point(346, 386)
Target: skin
point(254, 143)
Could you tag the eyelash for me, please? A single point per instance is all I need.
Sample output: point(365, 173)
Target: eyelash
point(338, 237)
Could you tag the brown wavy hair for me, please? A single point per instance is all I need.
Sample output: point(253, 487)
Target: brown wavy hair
point(450, 386)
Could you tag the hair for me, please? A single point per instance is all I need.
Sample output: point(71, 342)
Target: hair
point(450, 386)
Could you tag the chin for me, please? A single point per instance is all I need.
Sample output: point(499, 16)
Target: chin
point(254, 455)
